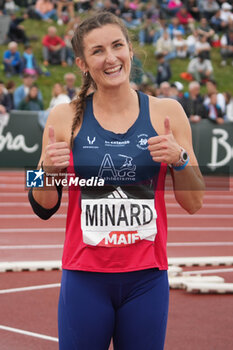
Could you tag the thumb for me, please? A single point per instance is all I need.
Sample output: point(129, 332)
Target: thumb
point(167, 126)
point(52, 138)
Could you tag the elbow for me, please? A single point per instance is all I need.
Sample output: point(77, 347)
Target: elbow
point(195, 206)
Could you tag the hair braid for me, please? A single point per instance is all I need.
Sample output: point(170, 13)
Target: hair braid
point(79, 104)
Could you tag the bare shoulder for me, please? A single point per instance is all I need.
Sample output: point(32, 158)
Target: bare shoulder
point(60, 117)
point(160, 108)
point(165, 105)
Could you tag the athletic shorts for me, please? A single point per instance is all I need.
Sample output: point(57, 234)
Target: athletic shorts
point(130, 307)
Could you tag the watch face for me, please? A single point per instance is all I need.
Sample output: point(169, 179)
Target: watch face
point(185, 156)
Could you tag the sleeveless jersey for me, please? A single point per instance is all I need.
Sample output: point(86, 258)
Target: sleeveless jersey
point(121, 226)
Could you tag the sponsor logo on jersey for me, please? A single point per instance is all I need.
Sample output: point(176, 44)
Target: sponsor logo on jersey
point(118, 220)
point(142, 141)
point(117, 143)
point(91, 142)
point(126, 172)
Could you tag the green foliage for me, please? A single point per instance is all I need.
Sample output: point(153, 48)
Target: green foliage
point(146, 54)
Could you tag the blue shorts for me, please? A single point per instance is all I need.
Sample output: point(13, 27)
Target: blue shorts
point(130, 307)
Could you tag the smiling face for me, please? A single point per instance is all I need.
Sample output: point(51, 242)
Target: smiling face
point(107, 56)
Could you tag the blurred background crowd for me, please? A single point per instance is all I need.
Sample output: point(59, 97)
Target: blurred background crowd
point(173, 29)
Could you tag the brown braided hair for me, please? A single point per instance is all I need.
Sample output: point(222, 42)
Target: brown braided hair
point(96, 21)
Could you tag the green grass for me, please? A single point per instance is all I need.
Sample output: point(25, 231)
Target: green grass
point(146, 54)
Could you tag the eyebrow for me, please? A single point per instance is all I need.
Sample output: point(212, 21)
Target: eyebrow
point(99, 46)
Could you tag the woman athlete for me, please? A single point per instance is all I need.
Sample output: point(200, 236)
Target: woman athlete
point(114, 279)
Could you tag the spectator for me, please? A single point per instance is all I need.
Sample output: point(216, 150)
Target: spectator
point(191, 41)
point(59, 96)
point(173, 6)
point(200, 68)
point(29, 64)
point(148, 89)
point(73, 24)
point(128, 15)
point(205, 30)
point(227, 47)
point(45, 10)
point(10, 86)
point(5, 101)
point(54, 51)
point(217, 22)
point(165, 46)
point(11, 60)
point(174, 26)
point(149, 32)
point(4, 27)
point(61, 4)
point(10, 7)
point(69, 87)
point(176, 90)
point(229, 107)
point(226, 14)
point(193, 103)
point(16, 30)
point(163, 70)
point(69, 50)
point(203, 46)
point(180, 44)
point(22, 91)
point(185, 18)
point(214, 112)
point(211, 87)
point(193, 9)
point(32, 101)
point(165, 90)
point(209, 8)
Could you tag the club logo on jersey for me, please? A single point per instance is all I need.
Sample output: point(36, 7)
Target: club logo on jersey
point(35, 178)
point(120, 218)
point(108, 171)
point(142, 141)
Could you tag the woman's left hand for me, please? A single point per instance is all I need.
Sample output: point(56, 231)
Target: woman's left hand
point(164, 148)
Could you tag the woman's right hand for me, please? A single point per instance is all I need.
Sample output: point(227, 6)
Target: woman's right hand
point(56, 155)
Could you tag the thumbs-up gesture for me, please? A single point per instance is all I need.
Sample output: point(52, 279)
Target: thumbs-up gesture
point(164, 148)
point(57, 154)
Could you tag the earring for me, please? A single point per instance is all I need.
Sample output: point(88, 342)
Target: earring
point(85, 73)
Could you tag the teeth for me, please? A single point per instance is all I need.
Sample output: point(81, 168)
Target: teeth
point(112, 70)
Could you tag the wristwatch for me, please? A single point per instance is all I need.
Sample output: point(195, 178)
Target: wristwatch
point(183, 158)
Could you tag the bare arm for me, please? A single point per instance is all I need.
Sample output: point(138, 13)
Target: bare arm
point(188, 184)
point(55, 155)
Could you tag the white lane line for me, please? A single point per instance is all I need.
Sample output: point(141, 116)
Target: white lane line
point(205, 205)
point(61, 229)
point(28, 216)
point(25, 204)
point(13, 185)
point(24, 230)
point(25, 289)
point(31, 334)
point(198, 244)
point(47, 265)
point(216, 197)
point(207, 271)
point(168, 205)
point(22, 194)
point(35, 246)
point(200, 229)
point(170, 244)
point(201, 216)
point(170, 216)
